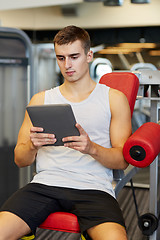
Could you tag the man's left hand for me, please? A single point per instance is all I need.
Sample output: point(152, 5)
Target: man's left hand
point(80, 143)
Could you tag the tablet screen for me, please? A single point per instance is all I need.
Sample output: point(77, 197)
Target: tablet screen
point(57, 119)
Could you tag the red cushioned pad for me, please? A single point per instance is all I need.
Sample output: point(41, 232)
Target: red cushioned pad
point(126, 82)
point(147, 137)
point(61, 221)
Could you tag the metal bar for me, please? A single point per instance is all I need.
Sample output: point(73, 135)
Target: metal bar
point(25, 174)
point(124, 61)
point(139, 57)
point(154, 174)
point(125, 180)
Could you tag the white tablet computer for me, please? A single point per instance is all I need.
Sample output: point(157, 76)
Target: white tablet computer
point(54, 118)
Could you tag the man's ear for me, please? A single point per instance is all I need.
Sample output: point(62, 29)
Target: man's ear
point(89, 56)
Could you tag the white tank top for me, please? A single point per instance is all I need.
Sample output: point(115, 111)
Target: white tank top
point(65, 167)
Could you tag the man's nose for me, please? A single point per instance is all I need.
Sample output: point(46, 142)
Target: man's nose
point(68, 63)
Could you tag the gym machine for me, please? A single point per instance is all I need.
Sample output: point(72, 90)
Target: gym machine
point(149, 90)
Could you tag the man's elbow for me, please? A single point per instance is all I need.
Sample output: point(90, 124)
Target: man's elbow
point(18, 161)
point(125, 165)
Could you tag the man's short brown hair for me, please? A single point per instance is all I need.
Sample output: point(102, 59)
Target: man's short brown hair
point(72, 33)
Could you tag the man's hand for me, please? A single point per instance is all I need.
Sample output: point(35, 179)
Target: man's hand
point(81, 143)
point(38, 138)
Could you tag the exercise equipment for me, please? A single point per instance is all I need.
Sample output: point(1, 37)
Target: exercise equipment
point(125, 82)
point(151, 79)
point(67, 222)
point(143, 146)
point(140, 66)
point(99, 67)
point(148, 223)
point(15, 92)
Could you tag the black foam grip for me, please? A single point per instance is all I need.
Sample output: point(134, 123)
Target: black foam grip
point(137, 153)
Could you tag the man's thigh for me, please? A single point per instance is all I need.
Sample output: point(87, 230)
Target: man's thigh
point(94, 207)
point(12, 227)
point(107, 231)
point(31, 204)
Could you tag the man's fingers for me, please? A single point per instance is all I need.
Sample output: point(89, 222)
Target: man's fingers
point(38, 138)
point(80, 129)
point(36, 129)
point(44, 142)
point(42, 135)
point(71, 139)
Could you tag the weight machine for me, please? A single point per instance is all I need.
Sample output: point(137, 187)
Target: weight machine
point(150, 90)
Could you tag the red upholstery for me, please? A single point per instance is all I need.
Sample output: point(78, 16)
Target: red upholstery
point(125, 82)
point(128, 83)
point(143, 146)
point(61, 221)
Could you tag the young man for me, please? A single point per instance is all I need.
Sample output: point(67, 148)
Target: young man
point(75, 177)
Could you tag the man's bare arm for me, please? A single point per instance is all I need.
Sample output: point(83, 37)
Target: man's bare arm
point(120, 130)
point(29, 141)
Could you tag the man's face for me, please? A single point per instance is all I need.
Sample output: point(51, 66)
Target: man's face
point(72, 60)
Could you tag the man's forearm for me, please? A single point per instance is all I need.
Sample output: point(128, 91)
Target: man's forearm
point(109, 157)
point(24, 154)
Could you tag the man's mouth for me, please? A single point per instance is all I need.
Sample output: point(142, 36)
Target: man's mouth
point(70, 73)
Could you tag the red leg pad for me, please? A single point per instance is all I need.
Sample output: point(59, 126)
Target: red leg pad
point(61, 221)
point(143, 146)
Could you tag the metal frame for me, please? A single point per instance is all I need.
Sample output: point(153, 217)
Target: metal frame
point(151, 78)
point(25, 174)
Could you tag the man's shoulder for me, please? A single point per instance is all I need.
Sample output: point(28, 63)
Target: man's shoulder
point(116, 93)
point(38, 98)
point(117, 97)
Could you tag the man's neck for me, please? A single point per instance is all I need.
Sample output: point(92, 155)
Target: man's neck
point(76, 91)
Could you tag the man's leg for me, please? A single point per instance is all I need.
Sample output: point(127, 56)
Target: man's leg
point(107, 231)
point(12, 227)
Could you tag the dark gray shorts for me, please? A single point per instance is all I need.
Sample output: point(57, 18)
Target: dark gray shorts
point(34, 202)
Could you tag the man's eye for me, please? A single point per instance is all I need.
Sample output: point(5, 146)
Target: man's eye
point(60, 58)
point(74, 57)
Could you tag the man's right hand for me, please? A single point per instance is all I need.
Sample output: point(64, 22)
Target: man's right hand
point(39, 139)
